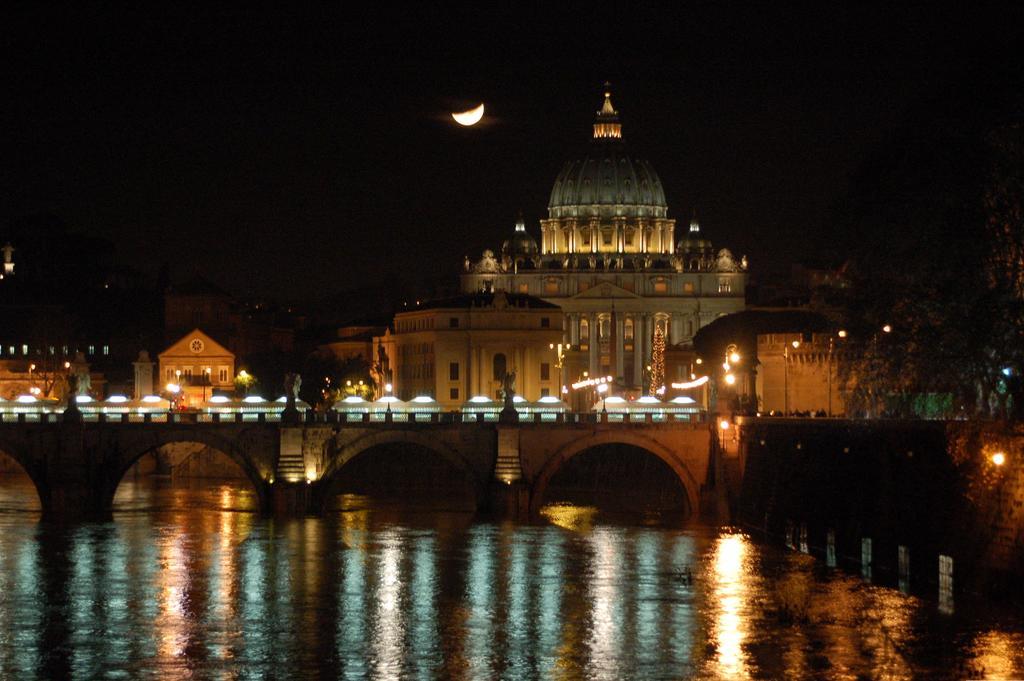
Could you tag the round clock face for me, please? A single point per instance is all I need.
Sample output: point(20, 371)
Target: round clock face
point(196, 345)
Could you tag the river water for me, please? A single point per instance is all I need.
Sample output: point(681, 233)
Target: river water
point(187, 582)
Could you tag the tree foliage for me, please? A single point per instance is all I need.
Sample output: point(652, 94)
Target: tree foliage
point(939, 262)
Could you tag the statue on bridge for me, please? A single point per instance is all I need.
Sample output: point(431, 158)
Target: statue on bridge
point(508, 393)
point(292, 384)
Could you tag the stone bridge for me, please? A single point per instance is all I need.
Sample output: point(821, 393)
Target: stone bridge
point(77, 466)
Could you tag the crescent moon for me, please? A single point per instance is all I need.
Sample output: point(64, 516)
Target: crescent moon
point(471, 117)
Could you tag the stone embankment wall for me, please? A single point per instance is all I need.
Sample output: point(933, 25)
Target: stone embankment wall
point(929, 487)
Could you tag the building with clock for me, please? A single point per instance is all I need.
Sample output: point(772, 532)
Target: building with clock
point(610, 257)
point(199, 365)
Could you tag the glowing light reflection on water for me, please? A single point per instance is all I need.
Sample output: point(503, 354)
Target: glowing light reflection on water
point(200, 588)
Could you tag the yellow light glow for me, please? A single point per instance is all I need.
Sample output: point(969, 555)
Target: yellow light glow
point(730, 379)
point(796, 344)
point(734, 357)
point(999, 458)
point(699, 361)
point(173, 387)
point(842, 333)
point(469, 117)
point(887, 328)
point(724, 425)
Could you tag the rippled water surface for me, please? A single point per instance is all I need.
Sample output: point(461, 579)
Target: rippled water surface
point(186, 583)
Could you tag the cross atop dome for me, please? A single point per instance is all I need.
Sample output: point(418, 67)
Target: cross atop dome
point(607, 125)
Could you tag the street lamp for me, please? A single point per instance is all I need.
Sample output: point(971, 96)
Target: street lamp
point(560, 351)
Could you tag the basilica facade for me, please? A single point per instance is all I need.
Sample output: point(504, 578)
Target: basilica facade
point(610, 259)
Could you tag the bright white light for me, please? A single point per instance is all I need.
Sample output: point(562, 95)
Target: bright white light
point(724, 425)
point(684, 400)
point(730, 379)
point(518, 398)
point(602, 388)
point(999, 458)
point(478, 399)
point(616, 399)
point(253, 399)
point(388, 387)
point(549, 399)
point(27, 399)
point(117, 399)
point(692, 384)
point(173, 388)
point(219, 399)
point(887, 328)
point(82, 399)
point(648, 399)
point(422, 399)
point(353, 399)
point(842, 333)
point(389, 398)
point(734, 357)
point(282, 399)
point(151, 399)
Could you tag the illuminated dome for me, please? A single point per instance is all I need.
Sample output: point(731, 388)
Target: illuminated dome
point(521, 243)
point(607, 181)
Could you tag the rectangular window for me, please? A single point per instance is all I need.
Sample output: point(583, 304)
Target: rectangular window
point(453, 371)
point(187, 373)
point(688, 287)
point(545, 322)
point(92, 349)
point(453, 394)
point(12, 350)
point(606, 238)
point(53, 350)
point(106, 350)
point(524, 288)
point(724, 286)
point(223, 374)
point(24, 349)
point(169, 374)
point(661, 286)
point(453, 322)
point(545, 371)
point(551, 286)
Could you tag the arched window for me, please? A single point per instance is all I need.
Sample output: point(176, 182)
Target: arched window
point(584, 330)
point(627, 331)
point(500, 365)
point(605, 328)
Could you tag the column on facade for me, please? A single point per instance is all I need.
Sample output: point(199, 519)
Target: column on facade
point(595, 344)
point(619, 346)
point(573, 320)
point(637, 345)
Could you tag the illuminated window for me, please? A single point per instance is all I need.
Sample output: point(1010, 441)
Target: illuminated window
point(53, 350)
point(551, 286)
point(584, 330)
point(605, 328)
point(24, 349)
point(545, 371)
point(12, 350)
point(106, 350)
point(627, 331)
point(688, 287)
point(92, 349)
point(453, 371)
point(725, 285)
point(661, 286)
point(524, 288)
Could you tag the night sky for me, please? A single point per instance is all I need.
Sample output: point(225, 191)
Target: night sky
point(296, 157)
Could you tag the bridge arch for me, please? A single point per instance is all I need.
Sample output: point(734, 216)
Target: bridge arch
point(15, 453)
point(578, 446)
point(129, 454)
point(338, 456)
